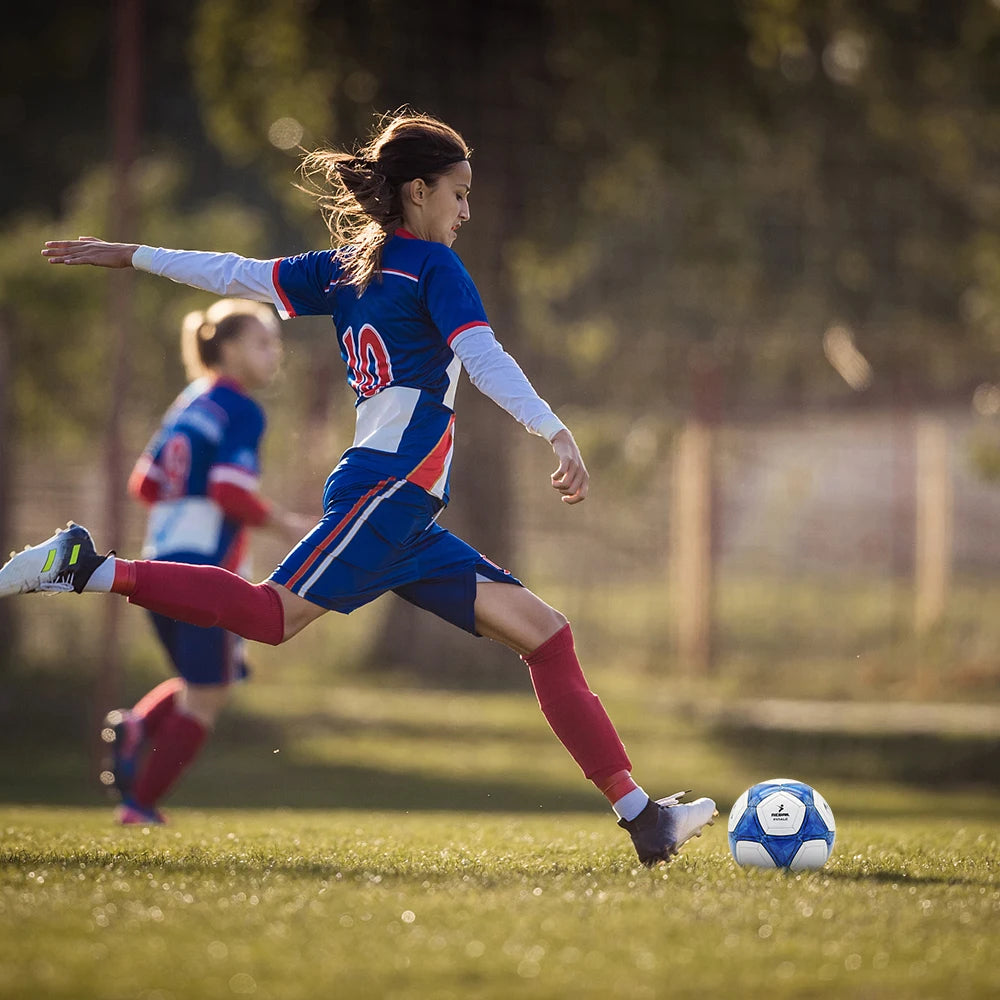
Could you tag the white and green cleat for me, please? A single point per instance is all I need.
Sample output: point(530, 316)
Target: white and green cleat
point(62, 563)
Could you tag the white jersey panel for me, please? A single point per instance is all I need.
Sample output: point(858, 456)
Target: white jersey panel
point(187, 524)
point(383, 418)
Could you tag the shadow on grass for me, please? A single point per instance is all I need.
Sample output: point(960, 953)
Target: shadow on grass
point(272, 783)
point(925, 760)
point(903, 878)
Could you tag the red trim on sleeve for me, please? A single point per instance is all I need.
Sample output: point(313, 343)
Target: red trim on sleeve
point(240, 504)
point(277, 287)
point(467, 326)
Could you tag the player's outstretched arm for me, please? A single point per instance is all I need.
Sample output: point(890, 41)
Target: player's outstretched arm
point(571, 479)
point(90, 250)
point(221, 273)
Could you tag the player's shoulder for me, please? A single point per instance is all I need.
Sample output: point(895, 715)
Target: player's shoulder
point(197, 412)
point(312, 258)
point(318, 265)
point(231, 397)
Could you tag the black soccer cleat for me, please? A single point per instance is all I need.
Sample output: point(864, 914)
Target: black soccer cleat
point(665, 825)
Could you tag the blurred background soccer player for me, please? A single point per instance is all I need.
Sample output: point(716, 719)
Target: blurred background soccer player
point(199, 475)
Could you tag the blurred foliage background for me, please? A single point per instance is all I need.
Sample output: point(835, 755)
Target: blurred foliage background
point(780, 218)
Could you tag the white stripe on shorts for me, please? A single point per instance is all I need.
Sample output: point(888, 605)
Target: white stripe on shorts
point(303, 588)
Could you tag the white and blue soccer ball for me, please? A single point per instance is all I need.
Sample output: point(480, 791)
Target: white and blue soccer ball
point(781, 823)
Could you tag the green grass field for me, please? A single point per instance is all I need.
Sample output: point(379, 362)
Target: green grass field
point(355, 838)
point(289, 904)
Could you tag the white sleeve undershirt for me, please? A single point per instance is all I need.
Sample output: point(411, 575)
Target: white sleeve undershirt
point(497, 375)
point(221, 273)
point(491, 369)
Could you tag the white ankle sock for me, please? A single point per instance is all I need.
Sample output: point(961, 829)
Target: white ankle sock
point(102, 578)
point(631, 804)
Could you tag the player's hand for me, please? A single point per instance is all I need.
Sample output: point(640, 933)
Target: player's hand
point(571, 479)
point(90, 250)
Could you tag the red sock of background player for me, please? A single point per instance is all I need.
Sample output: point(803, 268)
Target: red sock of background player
point(156, 705)
point(201, 595)
point(178, 740)
point(577, 717)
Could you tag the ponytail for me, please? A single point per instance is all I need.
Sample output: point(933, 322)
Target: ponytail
point(360, 194)
point(204, 331)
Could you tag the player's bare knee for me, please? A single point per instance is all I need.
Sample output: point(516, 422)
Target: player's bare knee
point(556, 621)
point(545, 623)
point(204, 701)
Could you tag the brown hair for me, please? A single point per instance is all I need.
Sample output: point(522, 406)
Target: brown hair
point(204, 331)
point(359, 193)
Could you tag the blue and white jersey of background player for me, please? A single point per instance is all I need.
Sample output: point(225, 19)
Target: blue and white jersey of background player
point(204, 455)
point(398, 341)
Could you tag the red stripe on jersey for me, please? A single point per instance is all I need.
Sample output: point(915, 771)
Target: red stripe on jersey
point(278, 289)
point(467, 326)
point(326, 542)
point(429, 471)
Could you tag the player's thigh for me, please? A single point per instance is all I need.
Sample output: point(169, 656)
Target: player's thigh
point(355, 553)
point(515, 616)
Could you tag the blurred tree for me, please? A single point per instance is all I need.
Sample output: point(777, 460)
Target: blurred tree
point(784, 165)
point(658, 184)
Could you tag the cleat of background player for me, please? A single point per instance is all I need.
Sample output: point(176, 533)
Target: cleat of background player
point(664, 826)
point(130, 814)
point(122, 732)
point(62, 563)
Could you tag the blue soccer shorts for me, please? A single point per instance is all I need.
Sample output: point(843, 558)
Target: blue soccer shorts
point(382, 536)
point(202, 655)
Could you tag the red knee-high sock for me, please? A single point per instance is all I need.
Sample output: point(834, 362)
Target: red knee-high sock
point(177, 743)
point(577, 716)
point(156, 705)
point(203, 595)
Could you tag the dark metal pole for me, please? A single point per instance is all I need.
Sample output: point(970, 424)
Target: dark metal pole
point(124, 101)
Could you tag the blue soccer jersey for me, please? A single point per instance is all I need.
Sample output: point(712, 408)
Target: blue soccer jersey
point(397, 340)
point(209, 438)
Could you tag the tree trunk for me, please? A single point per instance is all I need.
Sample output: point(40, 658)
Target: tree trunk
point(124, 107)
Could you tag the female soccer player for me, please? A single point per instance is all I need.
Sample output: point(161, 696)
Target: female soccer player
point(408, 318)
point(199, 474)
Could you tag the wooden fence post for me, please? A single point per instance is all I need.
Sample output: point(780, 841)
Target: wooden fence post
point(934, 523)
point(692, 573)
